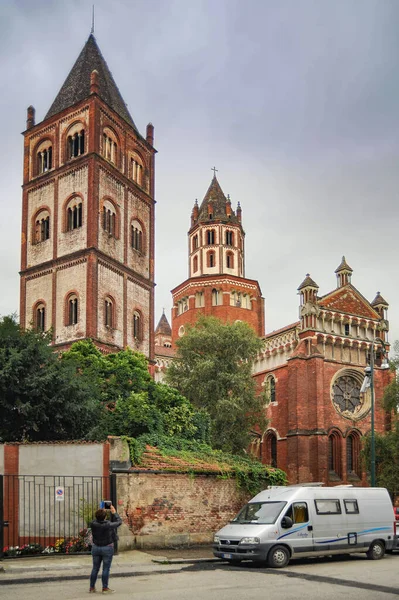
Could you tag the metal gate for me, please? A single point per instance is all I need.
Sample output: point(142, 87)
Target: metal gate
point(49, 514)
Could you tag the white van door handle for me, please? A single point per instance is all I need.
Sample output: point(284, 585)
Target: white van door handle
point(310, 527)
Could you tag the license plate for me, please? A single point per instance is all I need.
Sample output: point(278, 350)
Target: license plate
point(227, 555)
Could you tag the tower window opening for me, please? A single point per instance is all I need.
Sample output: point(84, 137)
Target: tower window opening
point(76, 144)
point(215, 297)
point(137, 237)
point(229, 238)
point(45, 160)
point(211, 259)
point(230, 260)
point(40, 317)
point(74, 217)
point(110, 148)
point(72, 310)
point(42, 229)
point(195, 242)
point(108, 313)
point(109, 221)
point(195, 264)
point(347, 329)
point(137, 326)
point(136, 170)
point(210, 237)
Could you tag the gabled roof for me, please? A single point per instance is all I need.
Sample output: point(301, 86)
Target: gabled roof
point(163, 326)
point(218, 200)
point(348, 299)
point(77, 85)
point(379, 300)
point(308, 282)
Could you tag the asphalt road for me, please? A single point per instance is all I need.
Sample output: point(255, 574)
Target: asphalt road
point(352, 579)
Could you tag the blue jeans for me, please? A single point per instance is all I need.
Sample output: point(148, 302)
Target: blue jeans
point(102, 554)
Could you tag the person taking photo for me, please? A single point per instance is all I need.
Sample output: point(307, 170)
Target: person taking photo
point(102, 551)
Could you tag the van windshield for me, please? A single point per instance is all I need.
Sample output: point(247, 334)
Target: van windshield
point(262, 513)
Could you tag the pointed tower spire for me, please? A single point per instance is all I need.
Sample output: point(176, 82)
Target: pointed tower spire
point(77, 85)
point(344, 273)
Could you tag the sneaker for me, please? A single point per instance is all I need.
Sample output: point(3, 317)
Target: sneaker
point(108, 591)
point(92, 590)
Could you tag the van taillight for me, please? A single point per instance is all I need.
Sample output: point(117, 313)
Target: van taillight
point(394, 527)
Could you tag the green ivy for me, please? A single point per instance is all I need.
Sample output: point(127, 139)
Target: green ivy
point(250, 475)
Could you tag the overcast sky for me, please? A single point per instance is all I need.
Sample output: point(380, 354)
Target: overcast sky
point(296, 103)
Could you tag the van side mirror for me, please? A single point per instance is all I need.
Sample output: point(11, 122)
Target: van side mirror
point(286, 522)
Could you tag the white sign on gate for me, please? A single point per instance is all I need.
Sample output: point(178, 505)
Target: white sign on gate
point(59, 494)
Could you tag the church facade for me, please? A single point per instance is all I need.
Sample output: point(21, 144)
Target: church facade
point(311, 374)
point(87, 261)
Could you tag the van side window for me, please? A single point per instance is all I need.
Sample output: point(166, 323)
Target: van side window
point(351, 507)
point(328, 507)
point(298, 512)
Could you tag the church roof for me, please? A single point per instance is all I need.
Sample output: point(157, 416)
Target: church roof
point(379, 300)
point(308, 281)
point(163, 326)
point(343, 266)
point(77, 85)
point(218, 200)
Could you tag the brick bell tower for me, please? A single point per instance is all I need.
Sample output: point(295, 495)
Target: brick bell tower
point(87, 259)
point(216, 285)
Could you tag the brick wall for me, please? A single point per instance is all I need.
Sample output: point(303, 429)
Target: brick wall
point(161, 510)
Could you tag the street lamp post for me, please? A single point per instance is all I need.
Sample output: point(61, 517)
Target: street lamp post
point(369, 382)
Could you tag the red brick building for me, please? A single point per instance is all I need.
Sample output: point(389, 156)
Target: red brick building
point(311, 373)
point(87, 264)
point(216, 283)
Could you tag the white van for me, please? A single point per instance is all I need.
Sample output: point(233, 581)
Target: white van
point(281, 523)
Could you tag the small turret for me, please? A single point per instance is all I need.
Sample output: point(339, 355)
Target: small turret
point(94, 82)
point(308, 305)
point(380, 305)
point(344, 273)
point(150, 134)
point(228, 206)
point(30, 117)
point(239, 212)
point(194, 213)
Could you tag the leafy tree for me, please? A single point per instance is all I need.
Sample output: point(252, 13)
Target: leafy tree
point(213, 368)
point(40, 399)
point(387, 445)
point(132, 403)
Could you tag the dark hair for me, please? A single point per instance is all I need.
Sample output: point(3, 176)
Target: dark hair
point(100, 514)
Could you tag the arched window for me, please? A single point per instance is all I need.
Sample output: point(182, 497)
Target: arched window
point(137, 326)
point(110, 146)
point(230, 260)
point(74, 214)
point(271, 449)
point(137, 236)
point(195, 242)
point(136, 169)
point(39, 317)
point(246, 301)
point(270, 389)
point(211, 259)
point(76, 143)
point(353, 454)
point(42, 227)
point(109, 313)
point(210, 237)
point(109, 219)
point(72, 310)
point(229, 238)
point(44, 157)
point(199, 300)
point(195, 264)
point(334, 454)
point(215, 297)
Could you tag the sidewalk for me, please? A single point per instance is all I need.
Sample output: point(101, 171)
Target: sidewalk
point(125, 564)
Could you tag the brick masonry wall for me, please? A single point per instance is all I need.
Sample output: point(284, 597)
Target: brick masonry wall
point(173, 509)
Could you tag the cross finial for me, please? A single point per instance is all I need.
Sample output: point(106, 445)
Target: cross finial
point(215, 170)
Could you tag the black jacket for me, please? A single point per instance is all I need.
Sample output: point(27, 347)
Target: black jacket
point(104, 532)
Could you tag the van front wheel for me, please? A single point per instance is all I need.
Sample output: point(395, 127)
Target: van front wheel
point(278, 557)
point(376, 551)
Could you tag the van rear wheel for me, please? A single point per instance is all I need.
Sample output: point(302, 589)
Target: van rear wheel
point(278, 557)
point(376, 551)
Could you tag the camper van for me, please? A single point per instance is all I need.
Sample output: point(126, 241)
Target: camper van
point(284, 523)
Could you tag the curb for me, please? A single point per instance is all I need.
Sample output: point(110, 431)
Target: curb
point(115, 574)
